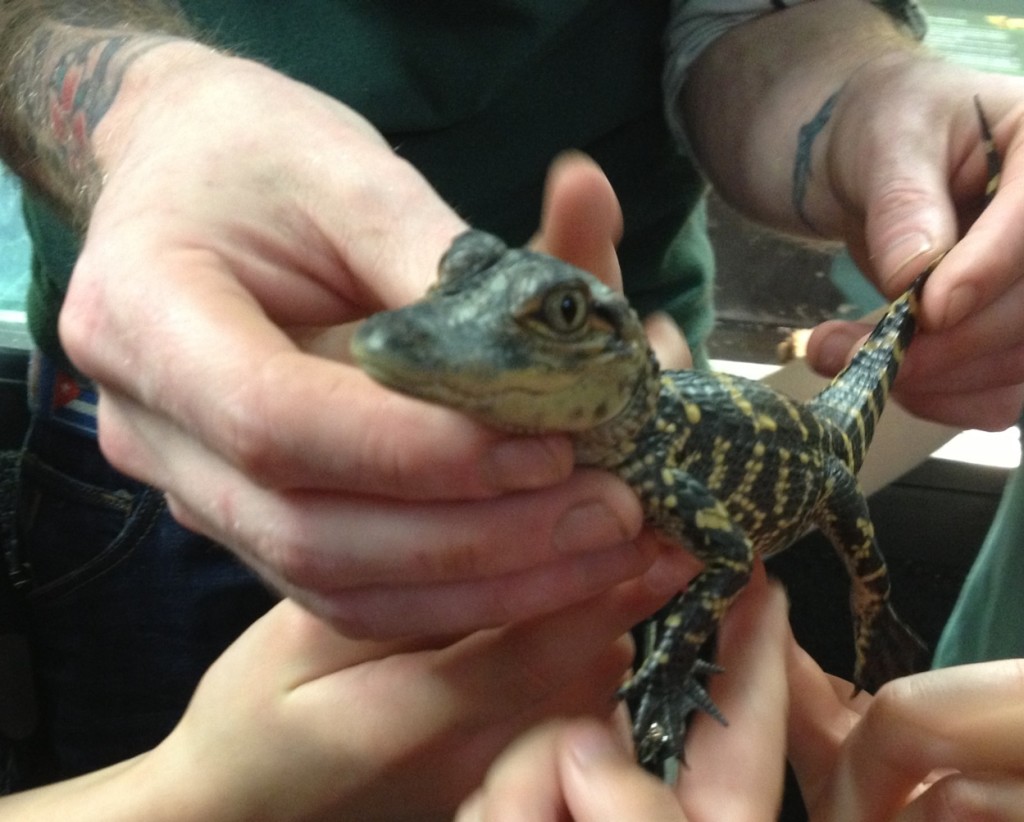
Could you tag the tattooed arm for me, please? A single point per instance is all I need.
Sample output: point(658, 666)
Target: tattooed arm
point(777, 74)
point(237, 205)
point(826, 120)
point(61, 68)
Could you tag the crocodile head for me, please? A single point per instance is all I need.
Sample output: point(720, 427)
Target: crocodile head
point(517, 339)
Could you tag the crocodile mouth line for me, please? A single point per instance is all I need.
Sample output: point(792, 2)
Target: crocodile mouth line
point(425, 385)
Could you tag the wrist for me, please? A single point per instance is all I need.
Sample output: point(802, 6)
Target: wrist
point(59, 84)
point(145, 69)
point(179, 98)
point(780, 70)
point(139, 788)
point(174, 782)
point(836, 161)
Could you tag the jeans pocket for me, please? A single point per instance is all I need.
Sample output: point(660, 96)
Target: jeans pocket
point(71, 532)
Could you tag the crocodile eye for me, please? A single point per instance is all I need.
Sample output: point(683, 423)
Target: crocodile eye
point(565, 309)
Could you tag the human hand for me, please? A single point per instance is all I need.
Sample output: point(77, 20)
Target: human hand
point(581, 223)
point(295, 721)
point(240, 209)
point(942, 745)
point(906, 166)
point(583, 770)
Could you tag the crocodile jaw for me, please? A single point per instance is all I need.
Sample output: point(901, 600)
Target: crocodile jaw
point(537, 399)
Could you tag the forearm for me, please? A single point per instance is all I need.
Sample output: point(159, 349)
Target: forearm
point(751, 92)
point(126, 792)
point(62, 70)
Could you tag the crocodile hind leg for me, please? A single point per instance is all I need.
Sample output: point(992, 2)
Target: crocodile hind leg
point(665, 690)
point(885, 647)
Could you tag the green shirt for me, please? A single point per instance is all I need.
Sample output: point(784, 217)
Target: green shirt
point(988, 620)
point(480, 97)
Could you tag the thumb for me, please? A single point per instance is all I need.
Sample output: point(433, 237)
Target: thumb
point(602, 781)
point(833, 343)
point(581, 221)
point(909, 219)
point(668, 341)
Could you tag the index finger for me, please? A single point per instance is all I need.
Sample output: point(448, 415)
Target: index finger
point(970, 719)
point(288, 419)
point(820, 718)
point(523, 784)
point(736, 772)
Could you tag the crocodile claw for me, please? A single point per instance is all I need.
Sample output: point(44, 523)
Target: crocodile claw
point(886, 649)
point(661, 709)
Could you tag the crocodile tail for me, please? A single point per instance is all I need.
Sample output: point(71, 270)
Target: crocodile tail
point(854, 400)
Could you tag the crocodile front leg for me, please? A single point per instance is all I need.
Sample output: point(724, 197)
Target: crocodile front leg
point(665, 689)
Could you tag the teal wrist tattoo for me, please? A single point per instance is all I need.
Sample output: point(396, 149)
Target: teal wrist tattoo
point(808, 133)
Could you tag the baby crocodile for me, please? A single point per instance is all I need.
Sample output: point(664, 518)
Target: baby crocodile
point(729, 466)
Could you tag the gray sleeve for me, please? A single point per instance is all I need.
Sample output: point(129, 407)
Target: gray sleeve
point(695, 24)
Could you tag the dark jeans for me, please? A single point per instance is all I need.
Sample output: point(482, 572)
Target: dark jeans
point(125, 608)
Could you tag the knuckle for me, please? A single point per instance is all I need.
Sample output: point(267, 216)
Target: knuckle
point(620, 657)
point(956, 798)
point(383, 455)
point(897, 207)
point(118, 446)
point(899, 195)
point(415, 450)
point(296, 566)
point(182, 514)
point(287, 547)
point(250, 450)
point(267, 531)
point(891, 706)
point(248, 432)
point(82, 322)
point(461, 557)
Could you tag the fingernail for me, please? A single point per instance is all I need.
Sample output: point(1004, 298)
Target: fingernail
point(903, 252)
point(960, 302)
point(670, 573)
point(524, 464)
point(590, 526)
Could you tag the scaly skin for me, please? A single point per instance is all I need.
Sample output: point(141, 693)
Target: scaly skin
point(729, 466)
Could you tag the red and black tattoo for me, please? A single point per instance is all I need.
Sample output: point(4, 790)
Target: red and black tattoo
point(57, 82)
point(78, 91)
